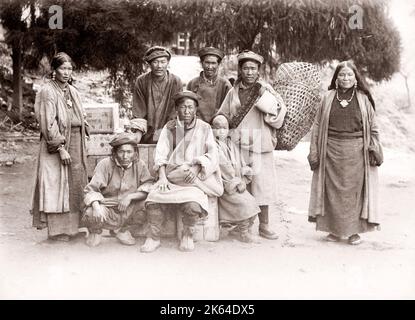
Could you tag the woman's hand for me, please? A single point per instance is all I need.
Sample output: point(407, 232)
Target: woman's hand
point(65, 157)
point(124, 203)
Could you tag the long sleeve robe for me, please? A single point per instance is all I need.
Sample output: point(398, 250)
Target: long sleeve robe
point(318, 150)
point(179, 150)
point(146, 107)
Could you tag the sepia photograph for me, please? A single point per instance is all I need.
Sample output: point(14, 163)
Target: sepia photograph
point(202, 150)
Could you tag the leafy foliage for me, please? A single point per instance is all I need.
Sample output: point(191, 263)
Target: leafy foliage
point(113, 34)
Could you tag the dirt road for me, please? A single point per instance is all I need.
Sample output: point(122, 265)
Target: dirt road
point(298, 265)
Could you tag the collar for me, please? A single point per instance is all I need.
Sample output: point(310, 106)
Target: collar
point(244, 87)
point(158, 80)
point(119, 165)
point(180, 124)
point(211, 82)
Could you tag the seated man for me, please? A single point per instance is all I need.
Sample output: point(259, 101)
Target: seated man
point(186, 160)
point(236, 206)
point(114, 197)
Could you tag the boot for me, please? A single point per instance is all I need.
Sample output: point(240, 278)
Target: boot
point(187, 244)
point(125, 238)
point(150, 245)
point(246, 237)
point(264, 230)
point(93, 239)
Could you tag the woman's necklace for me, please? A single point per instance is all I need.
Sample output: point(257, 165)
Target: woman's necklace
point(66, 94)
point(344, 103)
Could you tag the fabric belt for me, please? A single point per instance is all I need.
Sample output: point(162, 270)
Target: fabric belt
point(345, 135)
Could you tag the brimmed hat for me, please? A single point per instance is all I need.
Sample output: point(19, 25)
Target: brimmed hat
point(124, 138)
point(186, 94)
point(156, 52)
point(211, 51)
point(249, 55)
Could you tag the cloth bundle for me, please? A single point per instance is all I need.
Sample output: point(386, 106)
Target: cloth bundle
point(299, 84)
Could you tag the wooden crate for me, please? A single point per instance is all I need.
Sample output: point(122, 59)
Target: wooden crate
point(102, 118)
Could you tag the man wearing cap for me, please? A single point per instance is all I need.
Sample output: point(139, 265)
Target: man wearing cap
point(255, 111)
point(153, 92)
point(186, 160)
point(114, 197)
point(211, 87)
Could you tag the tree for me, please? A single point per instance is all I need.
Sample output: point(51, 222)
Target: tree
point(114, 34)
point(17, 16)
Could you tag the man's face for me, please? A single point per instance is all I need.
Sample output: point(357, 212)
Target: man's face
point(159, 66)
point(186, 110)
point(249, 72)
point(125, 154)
point(210, 66)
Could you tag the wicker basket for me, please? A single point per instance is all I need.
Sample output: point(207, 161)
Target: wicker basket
point(298, 83)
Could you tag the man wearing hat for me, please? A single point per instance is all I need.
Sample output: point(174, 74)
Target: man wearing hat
point(186, 160)
point(114, 197)
point(255, 111)
point(211, 87)
point(153, 92)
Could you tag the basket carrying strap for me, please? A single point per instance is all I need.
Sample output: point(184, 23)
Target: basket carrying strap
point(250, 102)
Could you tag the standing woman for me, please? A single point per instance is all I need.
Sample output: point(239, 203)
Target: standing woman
point(61, 170)
point(344, 154)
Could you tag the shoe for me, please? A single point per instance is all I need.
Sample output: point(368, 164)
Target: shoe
point(354, 239)
point(234, 232)
point(246, 237)
point(150, 245)
point(125, 238)
point(332, 238)
point(93, 240)
point(266, 233)
point(60, 237)
point(187, 244)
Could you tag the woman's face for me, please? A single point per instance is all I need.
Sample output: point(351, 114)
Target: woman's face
point(346, 78)
point(186, 110)
point(63, 72)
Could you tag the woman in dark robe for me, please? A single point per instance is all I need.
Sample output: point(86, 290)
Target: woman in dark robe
point(61, 169)
point(344, 154)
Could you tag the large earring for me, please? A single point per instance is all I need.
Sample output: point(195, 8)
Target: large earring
point(355, 85)
point(53, 75)
point(337, 85)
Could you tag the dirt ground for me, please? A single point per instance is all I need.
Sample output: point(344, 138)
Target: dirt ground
point(299, 265)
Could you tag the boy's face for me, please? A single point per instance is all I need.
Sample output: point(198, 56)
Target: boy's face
point(220, 128)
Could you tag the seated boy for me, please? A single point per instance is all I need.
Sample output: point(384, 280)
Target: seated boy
point(114, 197)
point(236, 205)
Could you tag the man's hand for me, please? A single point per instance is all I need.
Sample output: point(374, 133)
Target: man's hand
point(192, 174)
point(241, 186)
point(163, 184)
point(97, 212)
point(124, 203)
point(65, 157)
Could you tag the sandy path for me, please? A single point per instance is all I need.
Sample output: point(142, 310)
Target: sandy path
point(298, 265)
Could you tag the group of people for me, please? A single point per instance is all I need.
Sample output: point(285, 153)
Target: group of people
point(213, 139)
